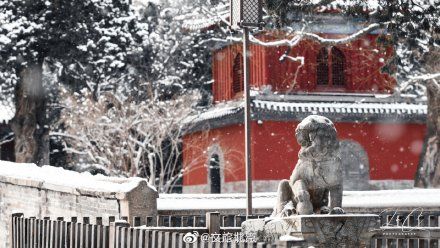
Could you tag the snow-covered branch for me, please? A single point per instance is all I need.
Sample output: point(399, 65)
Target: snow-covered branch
point(66, 135)
point(294, 59)
point(127, 136)
point(421, 79)
point(352, 37)
point(300, 35)
point(7, 139)
point(425, 77)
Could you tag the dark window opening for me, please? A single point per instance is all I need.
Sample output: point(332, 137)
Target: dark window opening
point(322, 67)
point(338, 64)
point(7, 151)
point(214, 174)
point(330, 67)
point(238, 75)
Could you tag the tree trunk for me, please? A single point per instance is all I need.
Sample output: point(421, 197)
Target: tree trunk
point(30, 123)
point(428, 173)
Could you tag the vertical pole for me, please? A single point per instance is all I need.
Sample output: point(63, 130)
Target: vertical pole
point(247, 122)
point(14, 230)
point(114, 232)
point(213, 222)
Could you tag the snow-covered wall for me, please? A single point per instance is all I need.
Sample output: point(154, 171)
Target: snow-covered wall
point(54, 192)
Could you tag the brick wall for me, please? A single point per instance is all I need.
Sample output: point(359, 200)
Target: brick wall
point(53, 192)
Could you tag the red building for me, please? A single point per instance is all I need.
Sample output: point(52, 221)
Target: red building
point(381, 134)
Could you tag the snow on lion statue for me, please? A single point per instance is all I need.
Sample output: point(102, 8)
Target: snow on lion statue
point(315, 185)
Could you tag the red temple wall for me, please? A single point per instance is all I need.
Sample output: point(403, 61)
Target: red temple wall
point(222, 66)
point(196, 153)
point(283, 76)
point(393, 150)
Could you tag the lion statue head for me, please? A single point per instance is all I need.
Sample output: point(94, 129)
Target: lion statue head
point(318, 138)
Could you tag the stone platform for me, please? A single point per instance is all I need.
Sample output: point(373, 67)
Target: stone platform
point(345, 230)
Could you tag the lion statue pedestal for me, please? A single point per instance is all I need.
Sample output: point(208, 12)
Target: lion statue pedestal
point(318, 230)
point(309, 205)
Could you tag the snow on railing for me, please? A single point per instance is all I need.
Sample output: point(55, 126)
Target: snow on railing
point(352, 200)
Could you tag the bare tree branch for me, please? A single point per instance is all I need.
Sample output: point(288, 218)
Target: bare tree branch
point(128, 138)
point(300, 35)
point(422, 79)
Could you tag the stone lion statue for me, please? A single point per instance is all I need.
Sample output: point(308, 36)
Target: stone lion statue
point(315, 185)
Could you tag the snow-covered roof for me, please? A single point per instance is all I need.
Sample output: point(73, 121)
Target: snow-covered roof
point(58, 179)
point(216, 112)
point(346, 108)
point(201, 23)
point(349, 107)
point(204, 18)
point(7, 112)
point(381, 199)
point(336, 5)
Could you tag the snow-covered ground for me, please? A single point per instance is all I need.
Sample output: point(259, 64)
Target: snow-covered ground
point(54, 177)
point(381, 199)
point(406, 198)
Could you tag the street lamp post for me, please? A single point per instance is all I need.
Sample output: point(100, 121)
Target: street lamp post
point(247, 122)
point(246, 14)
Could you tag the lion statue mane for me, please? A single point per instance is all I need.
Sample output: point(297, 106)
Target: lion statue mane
point(315, 185)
